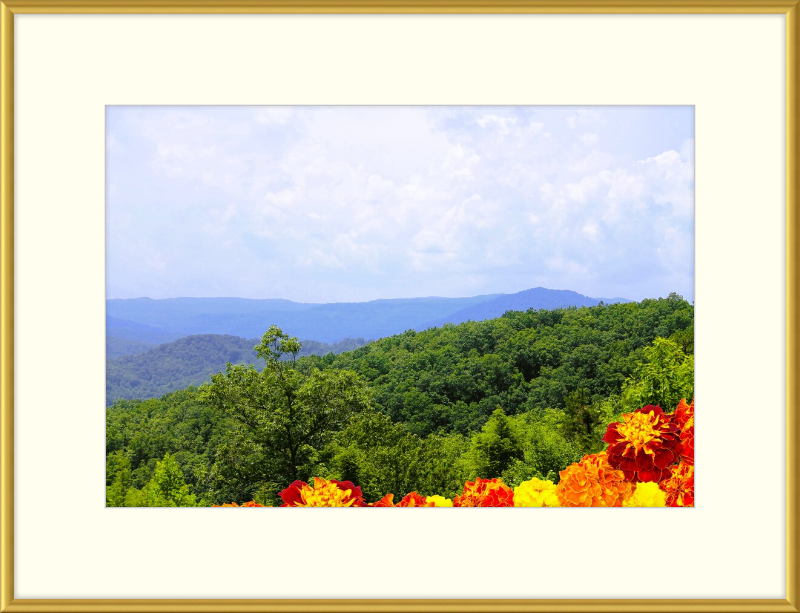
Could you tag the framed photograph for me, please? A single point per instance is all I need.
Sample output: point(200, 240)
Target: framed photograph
point(377, 255)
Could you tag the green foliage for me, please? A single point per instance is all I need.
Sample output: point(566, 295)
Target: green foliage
point(452, 378)
point(663, 378)
point(119, 484)
point(581, 420)
point(167, 487)
point(495, 448)
point(546, 449)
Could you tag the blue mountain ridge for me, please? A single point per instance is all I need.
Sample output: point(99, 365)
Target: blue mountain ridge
point(143, 319)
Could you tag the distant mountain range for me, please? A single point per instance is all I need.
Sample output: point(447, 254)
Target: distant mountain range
point(140, 322)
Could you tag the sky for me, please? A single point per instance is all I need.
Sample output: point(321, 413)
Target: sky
point(349, 204)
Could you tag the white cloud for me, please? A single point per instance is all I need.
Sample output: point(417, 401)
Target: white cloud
point(338, 203)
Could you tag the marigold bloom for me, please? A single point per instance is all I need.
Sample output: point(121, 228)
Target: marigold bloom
point(536, 493)
point(684, 419)
point(324, 493)
point(438, 501)
point(252, 503)
point(412, 500)
point(592, 482)
point(643, 444)
point(679, 488)
point(485, 493)
point(646, 495)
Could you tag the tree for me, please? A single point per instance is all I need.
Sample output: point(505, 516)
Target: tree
point(289, 414)
point(663, 378)
point(496, 447)
point(581, 420)
point(118, 471)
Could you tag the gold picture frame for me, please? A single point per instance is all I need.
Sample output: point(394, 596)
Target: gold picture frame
point(8, 8)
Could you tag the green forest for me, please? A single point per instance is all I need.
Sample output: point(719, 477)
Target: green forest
point(515, 397)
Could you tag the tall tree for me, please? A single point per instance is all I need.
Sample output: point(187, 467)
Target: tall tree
point(289, 414)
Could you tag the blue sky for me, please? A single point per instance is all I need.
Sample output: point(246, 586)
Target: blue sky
point(345, 204)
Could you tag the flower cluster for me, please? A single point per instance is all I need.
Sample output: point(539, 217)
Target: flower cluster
point(649, 462)
point(593, 482)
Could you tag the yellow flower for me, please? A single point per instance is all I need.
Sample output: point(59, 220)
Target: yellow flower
point(536, 493)
point(647, 495)
point(324, 493)
point(439, 501)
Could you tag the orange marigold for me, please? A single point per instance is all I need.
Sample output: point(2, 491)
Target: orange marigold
point(684, 419)
point(485, 493)
point(679, 487)
point(324, 493)
point(413, 500)
point(592, 482)
point(386, 501)
point(252, 503)
point(643, 444)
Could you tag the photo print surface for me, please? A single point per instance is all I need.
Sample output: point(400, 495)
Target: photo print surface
point(441, 306)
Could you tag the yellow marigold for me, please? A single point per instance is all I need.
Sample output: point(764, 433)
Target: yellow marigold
point(439, 501)
point(536, 493)
point(646, 495)
point(592, 482)
point(324, 493)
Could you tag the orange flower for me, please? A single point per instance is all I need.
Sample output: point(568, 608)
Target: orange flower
point(413, 500)
point(684, 419)
point(485, 493)
point(409, 500)
point(643, 444)
point(386, 501)
point(592, 482)
point(252, 503)
point(324, 494)
point(679, 487)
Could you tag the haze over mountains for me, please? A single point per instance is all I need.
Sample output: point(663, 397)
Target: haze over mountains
point(144, 320)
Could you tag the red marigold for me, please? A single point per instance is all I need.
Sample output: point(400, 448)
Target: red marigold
point(684, 419)
point(592, 482)
point(643, 444)
point(485, 493)
point(679, 487)
point(324, 493)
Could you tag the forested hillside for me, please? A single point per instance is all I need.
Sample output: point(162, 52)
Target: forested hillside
point(519, 396)
point(191, 361)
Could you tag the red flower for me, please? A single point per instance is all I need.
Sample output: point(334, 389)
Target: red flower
point(644, 444)
point(679, 487)
point(485, 493)
point(684, 419)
